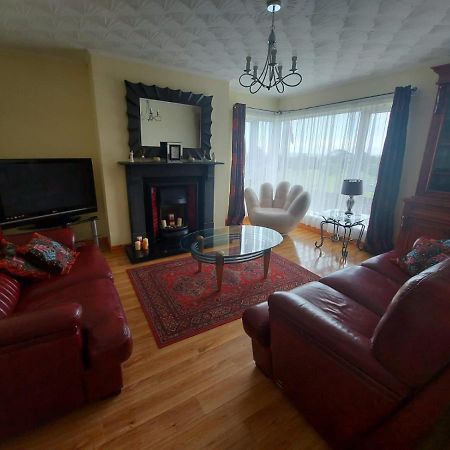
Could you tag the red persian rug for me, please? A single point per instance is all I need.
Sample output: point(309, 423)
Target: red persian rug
point(180, 302)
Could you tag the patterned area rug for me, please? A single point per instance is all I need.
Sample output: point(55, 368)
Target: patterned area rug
point(180, 302)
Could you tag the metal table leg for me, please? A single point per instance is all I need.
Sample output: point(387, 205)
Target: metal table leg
point(345, 241)
point(321, 234)
point(94, 231)
point(361, 233)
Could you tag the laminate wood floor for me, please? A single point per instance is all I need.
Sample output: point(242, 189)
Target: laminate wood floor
point(203, 392)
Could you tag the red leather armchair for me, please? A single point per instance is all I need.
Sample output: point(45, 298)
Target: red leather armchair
point(364, 353)
point(62, 340)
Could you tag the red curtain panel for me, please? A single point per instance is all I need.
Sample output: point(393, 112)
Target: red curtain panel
point(236, 208)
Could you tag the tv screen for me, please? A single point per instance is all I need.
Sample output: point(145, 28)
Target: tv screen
point(33, 190)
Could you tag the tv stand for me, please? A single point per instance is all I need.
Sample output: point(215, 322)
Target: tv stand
point(66, 222)
point(54, 222)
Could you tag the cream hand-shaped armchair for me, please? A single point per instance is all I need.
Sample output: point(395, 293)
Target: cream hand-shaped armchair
point(281, 213)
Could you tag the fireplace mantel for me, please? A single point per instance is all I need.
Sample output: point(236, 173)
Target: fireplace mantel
point(145, 161)
point(142, 173)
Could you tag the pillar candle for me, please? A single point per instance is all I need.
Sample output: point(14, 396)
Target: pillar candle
point(145, 244)
point(137, 245)
point(163, 223)
point(179, 222)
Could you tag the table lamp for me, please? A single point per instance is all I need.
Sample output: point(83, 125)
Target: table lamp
point(351, 188)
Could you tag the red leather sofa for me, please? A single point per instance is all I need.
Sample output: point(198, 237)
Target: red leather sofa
point(62, 340)
point(364, 353)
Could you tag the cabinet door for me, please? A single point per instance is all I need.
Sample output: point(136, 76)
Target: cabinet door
point(439, 180)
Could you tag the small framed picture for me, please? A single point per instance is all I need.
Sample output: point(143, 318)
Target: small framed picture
point(174, 152)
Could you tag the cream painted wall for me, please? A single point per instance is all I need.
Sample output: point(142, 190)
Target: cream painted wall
point(419, 118)
point(47, 111)
point(108, 75)
point(255, 100)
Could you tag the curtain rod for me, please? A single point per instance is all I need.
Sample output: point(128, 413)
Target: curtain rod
point(413, 89)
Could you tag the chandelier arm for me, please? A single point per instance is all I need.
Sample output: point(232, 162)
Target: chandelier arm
point(265, 72)
point(288, 76)
point(279, 86)
point(259, 86)
point(242, 80)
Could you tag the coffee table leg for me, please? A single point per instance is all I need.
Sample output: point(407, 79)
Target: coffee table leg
point(201, 246)
point(267, 254)
point(219, 269)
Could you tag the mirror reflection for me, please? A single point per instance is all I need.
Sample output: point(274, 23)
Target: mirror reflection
point(169, 122)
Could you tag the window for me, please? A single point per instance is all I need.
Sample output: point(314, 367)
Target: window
point(318, 148)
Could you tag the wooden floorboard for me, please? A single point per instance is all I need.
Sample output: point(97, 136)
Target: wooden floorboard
point(202, 392)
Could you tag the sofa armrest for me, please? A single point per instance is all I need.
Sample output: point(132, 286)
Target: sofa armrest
point(65, 236)
point(60, 320)
point(347, 346)
point(309, 320)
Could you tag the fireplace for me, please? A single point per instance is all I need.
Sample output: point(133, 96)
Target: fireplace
point(166, 202)
point(171, 212)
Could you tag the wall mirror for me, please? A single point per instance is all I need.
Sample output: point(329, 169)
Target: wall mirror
point(144, 136)
point(169, 122)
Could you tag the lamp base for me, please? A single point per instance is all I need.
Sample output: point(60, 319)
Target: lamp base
point(350, 203)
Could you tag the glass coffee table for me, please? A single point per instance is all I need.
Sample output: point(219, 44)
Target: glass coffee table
point(230, 245)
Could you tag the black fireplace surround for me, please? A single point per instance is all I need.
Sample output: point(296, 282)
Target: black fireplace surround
point(141, 177)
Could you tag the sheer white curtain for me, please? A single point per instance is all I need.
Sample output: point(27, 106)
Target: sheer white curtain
point(318, 148)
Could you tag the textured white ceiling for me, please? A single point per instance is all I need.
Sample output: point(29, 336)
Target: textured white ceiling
point(335, 40)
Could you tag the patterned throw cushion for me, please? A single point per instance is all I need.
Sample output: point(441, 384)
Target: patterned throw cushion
point(17, 266)
point(425, 253)
point(48, 255)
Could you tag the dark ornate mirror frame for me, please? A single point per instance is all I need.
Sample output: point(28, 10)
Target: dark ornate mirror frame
point(135, 91)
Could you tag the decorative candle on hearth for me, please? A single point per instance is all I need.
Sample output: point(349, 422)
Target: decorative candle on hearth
point(137, 245)
point(171, 220)
point(163, 223)
point(179, 222)
point(139, 238)
point(145, 244)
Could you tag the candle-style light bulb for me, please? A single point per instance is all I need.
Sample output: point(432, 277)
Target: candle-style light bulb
point(294, 64)
point(280, 72)
point(255, 72)
point(247, 65)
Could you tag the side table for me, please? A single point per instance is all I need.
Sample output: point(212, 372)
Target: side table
point(340, 220)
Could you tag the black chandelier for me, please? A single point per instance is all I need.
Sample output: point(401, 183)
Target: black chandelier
point(271, 75)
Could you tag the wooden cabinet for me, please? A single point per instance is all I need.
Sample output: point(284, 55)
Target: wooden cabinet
point(428, 212)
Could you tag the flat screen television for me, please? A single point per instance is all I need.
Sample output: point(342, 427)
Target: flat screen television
point(45, 191)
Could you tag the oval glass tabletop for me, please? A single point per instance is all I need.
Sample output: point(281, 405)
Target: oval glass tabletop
point(235, 243)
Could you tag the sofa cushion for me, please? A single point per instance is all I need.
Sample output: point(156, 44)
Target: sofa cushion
point(9, 295)
point(425, 253)
point(366, 286)
point(17, 266)
point(103, 321)
point(385, 265)
point(89, 265)
point(64, 236)
point(48, 254)
point(342, 309)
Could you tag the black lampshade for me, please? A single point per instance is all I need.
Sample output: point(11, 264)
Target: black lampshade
point(352, 187)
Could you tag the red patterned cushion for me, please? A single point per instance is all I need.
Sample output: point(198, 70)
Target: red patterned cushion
point(19, 267)
point(425, 253)
point(48, 255)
